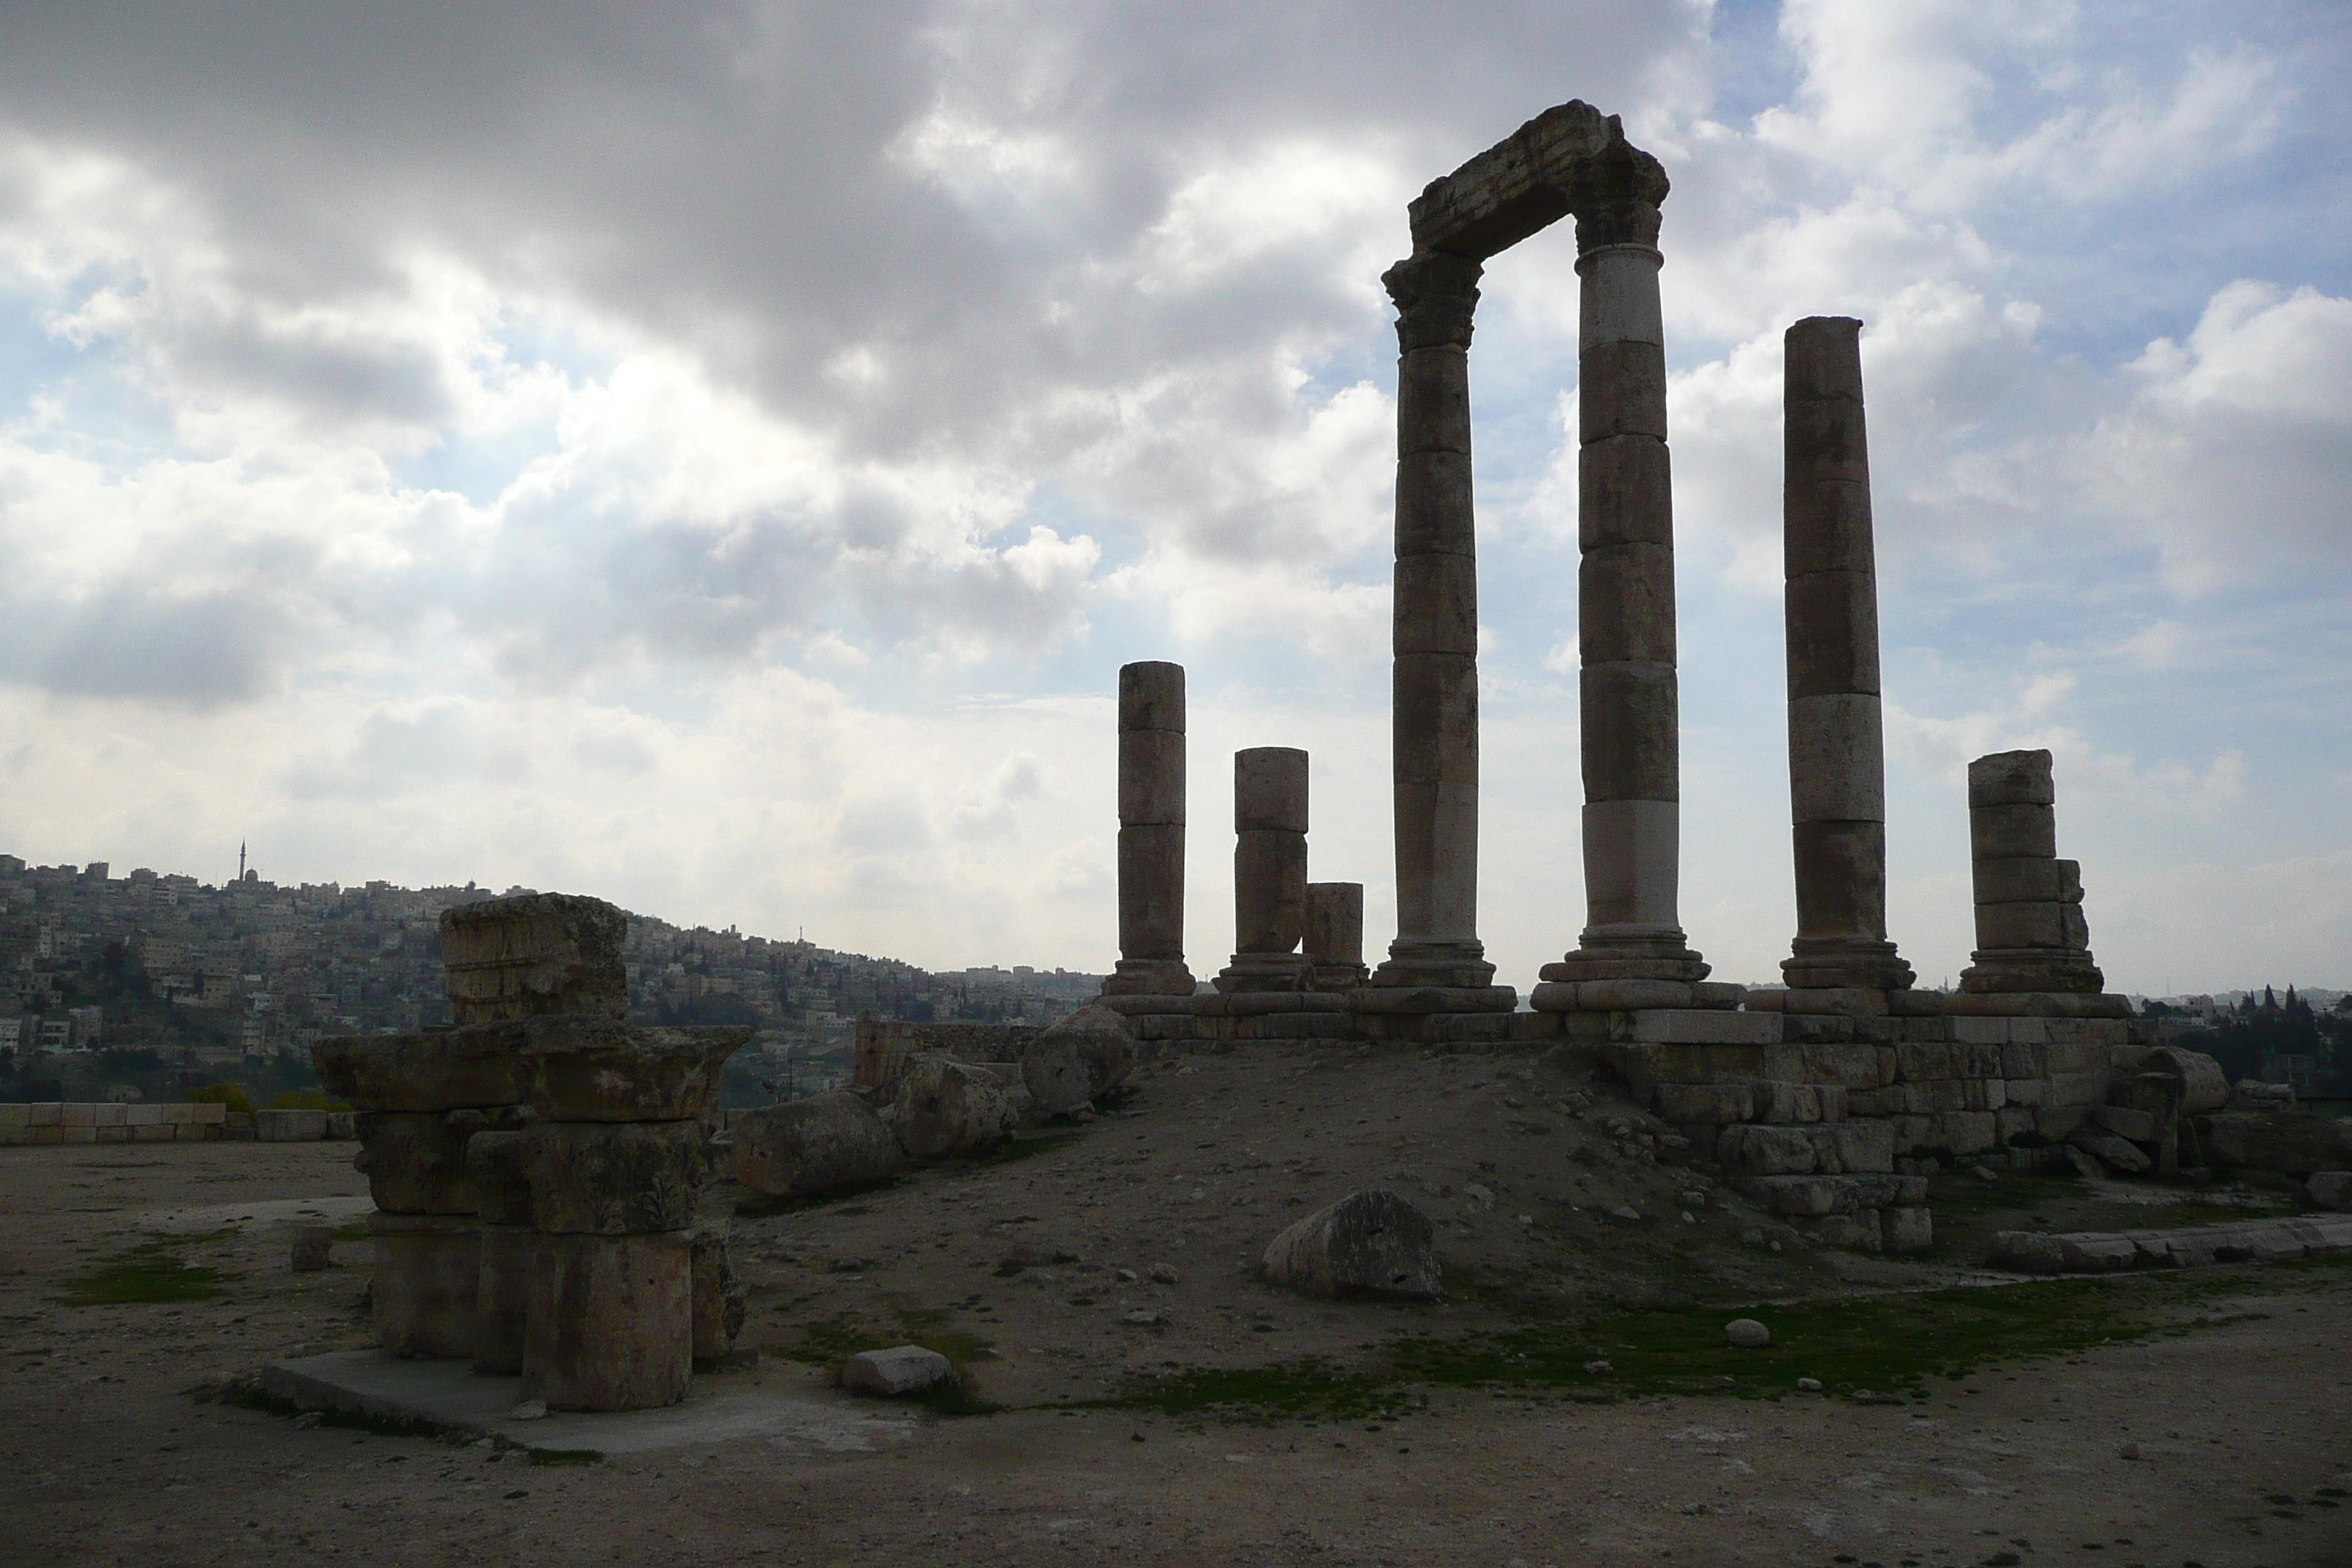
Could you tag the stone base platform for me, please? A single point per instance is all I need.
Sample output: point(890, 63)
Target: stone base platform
point(449, 1397)
point(2282, 1240)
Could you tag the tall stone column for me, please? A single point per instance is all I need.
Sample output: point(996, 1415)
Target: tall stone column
point(1434, 710)
point(1269, 870)
point(1628, 695)
point(2031, 933)
point(1334, 942)
point(1837, 785)
point(1151, 833)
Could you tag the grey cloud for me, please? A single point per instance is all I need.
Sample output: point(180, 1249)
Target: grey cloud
point(199, 650)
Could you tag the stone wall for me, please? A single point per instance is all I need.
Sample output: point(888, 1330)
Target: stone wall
point(57, 1122)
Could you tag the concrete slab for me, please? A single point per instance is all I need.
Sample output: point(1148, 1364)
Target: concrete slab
point(450, 1396)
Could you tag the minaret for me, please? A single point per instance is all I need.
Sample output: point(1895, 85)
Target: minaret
point(240, 859)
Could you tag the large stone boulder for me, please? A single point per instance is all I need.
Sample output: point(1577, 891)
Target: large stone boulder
point(1372, 1241)
point(534, 954)
point(945, 1109)
point(2295, 1142)
point(1077, 1061)
point(806, 1148)
point(2203, 1085)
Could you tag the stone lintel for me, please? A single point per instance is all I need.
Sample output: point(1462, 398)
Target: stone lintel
point(1426, 999)
point(2038, 1004)
point(1565, 158)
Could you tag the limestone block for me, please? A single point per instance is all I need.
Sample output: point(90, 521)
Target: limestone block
point(1768, 1150)
point(132, 1116)
point(1151, 696)
point(85, 1115)
point(15, 1117)
point(1712, 1104)
point(1833, 638)
point(719, 1294)
point(1908, 1229)
point(1816, 1195)
point(2330, 1190)
point(1624, 493)
point(2028, 1032)
point(1698, 1027)
point(2289, 1140)
point(54, 1132)
point(2031, 878)
point(1622, 391)
point(163, 1131)
point(45, 1113)
point(1625, 603)
point(1433, 400)
point(612, 1322)
point(1777, 1101)
point(2111, 1150)
point(2104, 1035)
point(2021, 1062)
point(1823, 441)
point(1618, 300)
point(1269, 894)
point(534, 954)
point(117, 1134)
point(1839, 1001)
point(1434, 513)
point(2072, 1088)
point(212, 1115)
point(1877, 1101)
point(2011, 831)
point(1152, 777)
point(945, 1109)
point(2021, 925)
point(2136, 1126)
point(1082, 1058)
point(1856, 1147)
point(1632, 736)
point(827, 1143)
point(507, 1258)
point(2011, 778)
point(1525, 182)
point(1632, 848)
point(444, 1071)
point(1858, 1230)
point(2012, 1122)
point(609, 1178)
point(1827, 518)
point(1965, 1131)
point(597, 1070)
point(2052, 1123)
point(1372, 1241)
point(2203, 1086)
point(1817, 1028)
point(890, 1373)
point(424, 1288)
point(415, 1161)
point(1334, 935)
point(1436, 605)
point(497, 1174)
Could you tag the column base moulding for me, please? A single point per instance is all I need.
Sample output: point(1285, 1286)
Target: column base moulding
point(1149, 977)
point(1261, 973)
point(1381, 999)
point(1846, 964)
point(1628, 995)
point(1448, 966)
point(1629, 952)
point(2015, 970)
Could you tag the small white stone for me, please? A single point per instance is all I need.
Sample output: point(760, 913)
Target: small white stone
point(1748, 1333)
point(529, 1410)
point(902, 1369)
point(1164, 1274)
point(1810, 1385)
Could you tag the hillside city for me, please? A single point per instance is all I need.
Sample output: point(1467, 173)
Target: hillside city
point(149, 985)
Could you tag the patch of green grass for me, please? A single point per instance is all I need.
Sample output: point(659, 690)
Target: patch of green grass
point(149, 1272)
point(833, 1341)
point(247, 1394)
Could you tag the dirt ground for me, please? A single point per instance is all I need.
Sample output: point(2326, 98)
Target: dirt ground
point(2225, 1445)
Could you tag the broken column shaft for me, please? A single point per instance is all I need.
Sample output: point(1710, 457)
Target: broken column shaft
point(1151, 833)
point(1269, 870)
point(1837, 788)
point(2031, 933)
point(1334, 940)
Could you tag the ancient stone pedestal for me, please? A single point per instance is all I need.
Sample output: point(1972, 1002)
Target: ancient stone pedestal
point(496, 1166)
point(2031, 933)
point(612, 1322)
point(1269, 870)
point(1628, 692)
point(1334, 938)
point(1150, 834)
point(1837, 786)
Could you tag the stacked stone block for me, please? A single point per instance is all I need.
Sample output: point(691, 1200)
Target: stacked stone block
point(1269, 871)
point(72, 1121)
point(2031, 937)
point(1334, 940)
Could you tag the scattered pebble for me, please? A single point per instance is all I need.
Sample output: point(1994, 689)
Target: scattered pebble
point(1810, 1385)
point(529, 1410)
point(1598, 1367)
point(1144, 1318)
point(1748, 1333)
point(2131, 1451)
point(1164, 1274)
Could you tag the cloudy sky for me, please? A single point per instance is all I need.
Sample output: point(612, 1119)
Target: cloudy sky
point(716, 456)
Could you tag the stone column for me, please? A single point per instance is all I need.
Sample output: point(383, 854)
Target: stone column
point(1837, 784)
point(1150, 834)
point(2031, 933)
point(1625, 589)
point(1269, 870)
point(1434, 710)
point(1334, 940)
point(508, 1259)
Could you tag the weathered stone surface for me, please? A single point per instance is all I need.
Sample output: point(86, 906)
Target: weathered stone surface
point(448, 1069)
point(2011, 778)
point(2111, 1151)
point(508, 1259)
point(1747, 1333)
point(613, 1178)
point(2203, 1086)
point(498, 1172)
point(598, 1069)
point(720, 1295)
point(2135, 1126)
point(2291, 1142)
point(423, 1291)
point(1910, 1228)
point(832, 1142)
point(905, 1369)
point(288, 1126)
point(1074, 1063)
point(415, 1161)
point(1567, 159)
point(2242, 1241)
point(534, 954)
point(1333, 942)
point(1372, 1241)
point(946, 1108)
point(612, 1322)
point(2011, 831)
point(313, 1249)
point(2330, 1189)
